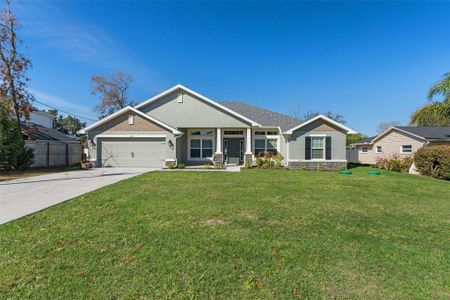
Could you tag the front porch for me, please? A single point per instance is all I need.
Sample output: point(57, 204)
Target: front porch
point(218, 146)
point(223, 146)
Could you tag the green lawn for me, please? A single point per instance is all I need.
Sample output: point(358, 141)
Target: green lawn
point(255, 234)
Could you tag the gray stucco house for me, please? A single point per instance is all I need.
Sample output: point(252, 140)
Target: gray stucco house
point(183, 126)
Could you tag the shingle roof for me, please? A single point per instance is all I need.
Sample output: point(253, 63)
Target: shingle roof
point(37, 132)
point(428, 132)
point(365, 141)
point(263, 116)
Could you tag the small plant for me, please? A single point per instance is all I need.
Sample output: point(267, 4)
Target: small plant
point(218, 166)
point(248, 164)
point(395, 163)
point(181, 166)
point(207, 166)
point(320, 167)
point(171, 165)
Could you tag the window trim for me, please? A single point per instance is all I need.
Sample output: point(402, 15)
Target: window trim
point(265, 139)
point(362, 149)
point(376, 149)
point(403, 152)
point(201, 138)
point(130, 119)
point(324, 138)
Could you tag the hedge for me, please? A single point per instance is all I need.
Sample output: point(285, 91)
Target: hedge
point(433, 161)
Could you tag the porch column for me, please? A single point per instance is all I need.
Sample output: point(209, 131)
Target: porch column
point(248, 157)
point(219, 141)
point(248, 148)
point(218, 156)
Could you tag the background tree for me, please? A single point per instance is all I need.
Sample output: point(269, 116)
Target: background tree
point(383, 126)
point(436, 113)
point(13, 66)
point(296, 111)
point(353, 138)
point(112, 92)
point(334, 116)
point(68, 124)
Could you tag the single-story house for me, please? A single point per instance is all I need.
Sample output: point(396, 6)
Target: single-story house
point(397, 140)
point(183, 126)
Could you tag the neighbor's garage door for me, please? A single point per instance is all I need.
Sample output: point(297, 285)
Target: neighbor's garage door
point(136, 152)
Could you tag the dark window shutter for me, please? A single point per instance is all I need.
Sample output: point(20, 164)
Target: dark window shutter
point(328, 148)
point(308, 148)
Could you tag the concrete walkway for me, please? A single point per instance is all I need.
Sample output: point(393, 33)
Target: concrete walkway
point(21, 197)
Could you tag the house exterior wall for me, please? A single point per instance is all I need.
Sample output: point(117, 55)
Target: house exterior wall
point(296, 146)
point(191, 112)
point(391, 145)
point(119, 126)
point(43, 119)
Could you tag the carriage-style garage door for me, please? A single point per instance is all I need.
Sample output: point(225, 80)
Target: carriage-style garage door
point(133, 152)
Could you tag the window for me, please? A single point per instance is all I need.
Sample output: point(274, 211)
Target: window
point(364, 149)
point(266, 133)
point(317, 147)
point(233, 132)
point(130, 119)
point(378, 149)
point(406, 149)
point(265, 145)
point(201, 148)
point(202, 132)
point(201, 144)
point(260, 146)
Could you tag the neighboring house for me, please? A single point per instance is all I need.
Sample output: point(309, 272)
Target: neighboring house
point(398, 140)
point(51, 147)
point(182, 126)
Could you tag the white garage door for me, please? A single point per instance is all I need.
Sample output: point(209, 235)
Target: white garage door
point(136, 152)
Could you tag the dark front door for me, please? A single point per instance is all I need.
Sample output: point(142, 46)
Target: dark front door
point(233, 151)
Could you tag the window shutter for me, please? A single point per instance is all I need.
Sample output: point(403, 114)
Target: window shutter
point(308, 148)
point(328, 148)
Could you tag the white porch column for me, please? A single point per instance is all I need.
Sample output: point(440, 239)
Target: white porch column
point(248, 148)
point(219, 141)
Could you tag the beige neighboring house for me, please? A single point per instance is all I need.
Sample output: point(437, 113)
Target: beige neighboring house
point(398, 140)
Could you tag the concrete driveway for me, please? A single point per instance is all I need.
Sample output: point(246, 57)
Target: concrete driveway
point(21, 197)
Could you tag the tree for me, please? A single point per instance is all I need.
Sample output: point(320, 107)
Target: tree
point(337, 117)
point(353, 138)
point(296, 111)
point(436, 113)
point(383, 126)
point(112, 92)
point(68, 124)
point(13, 153)
point(13, 67)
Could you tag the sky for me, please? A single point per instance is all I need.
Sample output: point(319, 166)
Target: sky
point(368, 61)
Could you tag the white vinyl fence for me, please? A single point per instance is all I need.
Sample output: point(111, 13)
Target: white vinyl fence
point(55, 153)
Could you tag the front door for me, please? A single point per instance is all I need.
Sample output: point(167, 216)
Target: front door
point(233, 150)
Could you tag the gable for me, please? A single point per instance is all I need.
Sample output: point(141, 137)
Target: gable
point(394, 136)
point(321, 125)
point(120, 123)
point(182, 109)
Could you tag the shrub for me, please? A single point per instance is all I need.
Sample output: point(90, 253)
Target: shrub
point(207, 166)
point(13, 152)
point(248, 164)
point(181, 166)
point(395, 163)
point(171, 165)
point(267, 160)
point(433, 161)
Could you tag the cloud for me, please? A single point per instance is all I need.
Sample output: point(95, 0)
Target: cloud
point(62, 104)
point(81, 41)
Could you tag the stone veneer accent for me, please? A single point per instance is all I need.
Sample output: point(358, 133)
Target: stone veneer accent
point(218, 159)
point(248, 157)
point(317, 165)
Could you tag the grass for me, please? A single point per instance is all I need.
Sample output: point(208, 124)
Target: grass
point(255, 234)
point(17, 174)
